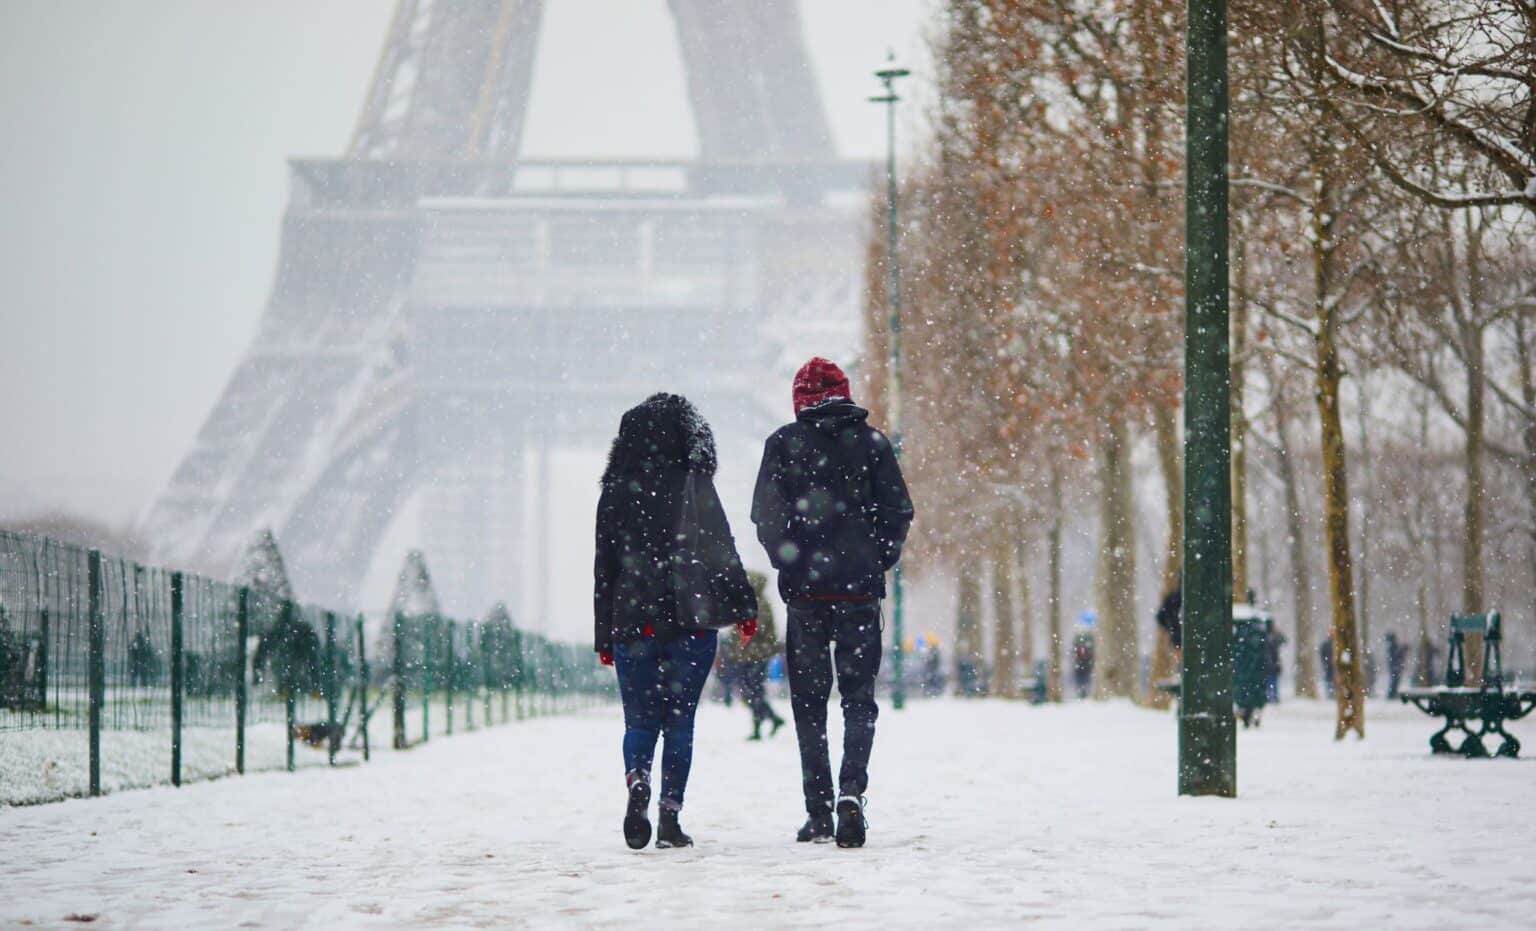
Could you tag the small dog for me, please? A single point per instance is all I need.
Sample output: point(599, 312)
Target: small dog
point(318, 734)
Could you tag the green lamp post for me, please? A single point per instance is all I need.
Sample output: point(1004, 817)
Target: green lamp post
point(888, 76)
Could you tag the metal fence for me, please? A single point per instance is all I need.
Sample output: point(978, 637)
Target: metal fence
point(114, 675)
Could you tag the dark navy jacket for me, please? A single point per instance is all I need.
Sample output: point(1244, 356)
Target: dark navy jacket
point(831, 507)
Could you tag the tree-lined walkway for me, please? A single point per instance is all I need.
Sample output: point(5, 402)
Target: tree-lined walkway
point(982, 812)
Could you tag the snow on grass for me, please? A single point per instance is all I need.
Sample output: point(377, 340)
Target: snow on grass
point(983, 813)
point(48, 765)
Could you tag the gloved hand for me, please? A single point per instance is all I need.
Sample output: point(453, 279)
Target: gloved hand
point(747, 629)
point(605, 657)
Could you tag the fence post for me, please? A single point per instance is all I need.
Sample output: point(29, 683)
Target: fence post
point(469, 688)
point(242, 630)
point(332, 739)
point(42, 660)
point(177, 619)
point(397, 670)
point(524, 673)
point(528, 687)
point(96, 664)
point(427, 623)
point(487, 641)
point(290, 701)
point(451, 662)
point(362, 662)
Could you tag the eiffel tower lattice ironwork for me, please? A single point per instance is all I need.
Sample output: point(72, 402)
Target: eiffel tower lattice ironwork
point(446, 312)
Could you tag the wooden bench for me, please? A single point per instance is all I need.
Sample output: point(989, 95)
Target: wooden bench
point(1490, 703)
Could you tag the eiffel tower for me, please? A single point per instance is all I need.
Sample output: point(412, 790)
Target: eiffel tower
point(445, 312)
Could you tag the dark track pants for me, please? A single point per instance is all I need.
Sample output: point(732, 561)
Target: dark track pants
point(827, 637)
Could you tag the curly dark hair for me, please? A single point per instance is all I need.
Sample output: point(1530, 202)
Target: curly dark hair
point(664, 429)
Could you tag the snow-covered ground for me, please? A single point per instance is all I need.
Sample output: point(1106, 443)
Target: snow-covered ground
point(986, 814)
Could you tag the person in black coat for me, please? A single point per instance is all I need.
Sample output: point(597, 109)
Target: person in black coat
point(664, 453)
point(1325, 658)
point(1397, 661)
point(1170, 616)
point(832, 510)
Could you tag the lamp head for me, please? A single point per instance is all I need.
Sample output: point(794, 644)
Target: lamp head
point(891, 72)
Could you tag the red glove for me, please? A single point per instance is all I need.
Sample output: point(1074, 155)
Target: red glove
point(605, 657)
point(747, 629)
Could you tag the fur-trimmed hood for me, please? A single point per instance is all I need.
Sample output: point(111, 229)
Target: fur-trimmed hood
point(664, 429)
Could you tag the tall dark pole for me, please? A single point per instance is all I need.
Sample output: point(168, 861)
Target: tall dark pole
point(888, 76)
point(1207, 734)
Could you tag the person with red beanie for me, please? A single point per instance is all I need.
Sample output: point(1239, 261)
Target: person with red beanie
point(832, 510)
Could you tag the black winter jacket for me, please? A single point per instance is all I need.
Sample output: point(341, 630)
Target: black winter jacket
point(638, 513)
point(831, 507)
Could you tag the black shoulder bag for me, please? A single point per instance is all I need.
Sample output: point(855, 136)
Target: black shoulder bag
point(698, 587)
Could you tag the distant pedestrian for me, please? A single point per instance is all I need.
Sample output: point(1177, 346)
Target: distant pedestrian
point(933, 670)
point(751, 656)
point(1170, 616)
point(662, 537)
point(1082, 662)
point(727, 674)
point(1275, 644)
point(1325, 659)
point(832, 510)
point(1397, 661)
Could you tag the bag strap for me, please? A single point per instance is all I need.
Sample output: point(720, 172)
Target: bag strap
point(688, 529)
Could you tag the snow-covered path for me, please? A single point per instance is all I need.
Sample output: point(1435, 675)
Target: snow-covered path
point(985, 814)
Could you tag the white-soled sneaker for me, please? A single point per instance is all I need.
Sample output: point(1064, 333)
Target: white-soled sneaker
point(851, 825)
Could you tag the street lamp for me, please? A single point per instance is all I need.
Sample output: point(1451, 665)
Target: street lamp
point(888, 76)
point(1207, 734)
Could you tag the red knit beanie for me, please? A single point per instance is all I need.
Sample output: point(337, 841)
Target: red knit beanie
point(818, 380)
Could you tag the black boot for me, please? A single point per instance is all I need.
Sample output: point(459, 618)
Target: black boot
point(777, 723)
point(637, 823)
point(817, 829)
point(757, 731)
point(850, 821)
point(668, 832)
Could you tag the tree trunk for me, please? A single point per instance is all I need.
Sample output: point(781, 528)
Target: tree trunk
point(1301, 571)
point(1528, 394)
point(1472, 597)
point(1424, 674)
point(1165, 659)
point(1116, 655)
point(1165, 423)
point(968, 645)
point(1295, 532)
point(1056, 634)
point(1439, 596)
point(1004, 649)
point(1346, 644)
point(1266, 558)
point(1329, 372)
point(1367, 530)
point(1021, 569)
point(1239, 428)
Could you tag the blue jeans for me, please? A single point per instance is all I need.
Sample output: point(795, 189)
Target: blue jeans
point(660, 685)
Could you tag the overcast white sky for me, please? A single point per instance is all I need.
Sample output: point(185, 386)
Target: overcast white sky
point(142, 178)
